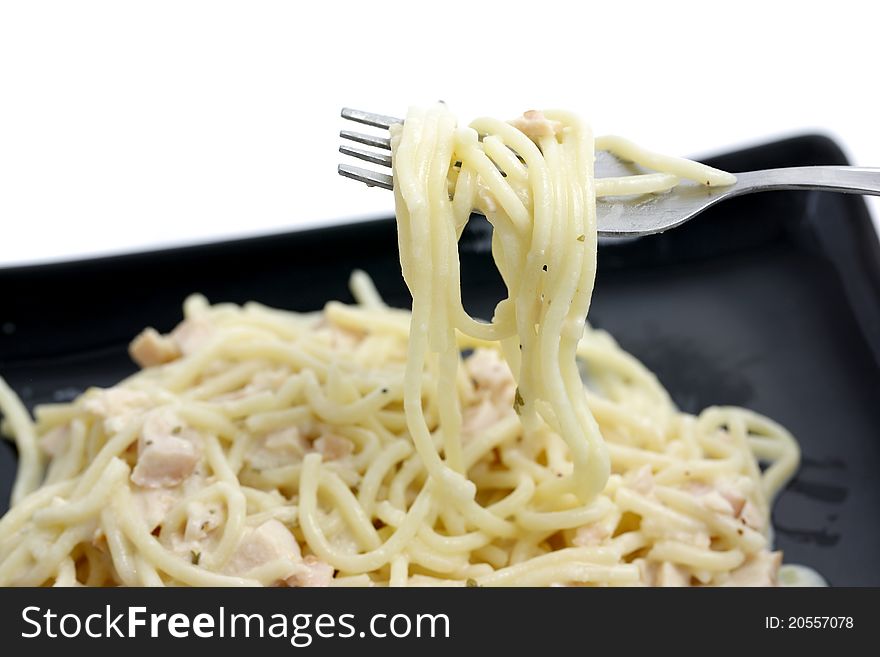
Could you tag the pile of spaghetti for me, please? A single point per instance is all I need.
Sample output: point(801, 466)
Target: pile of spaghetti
point(365, 445)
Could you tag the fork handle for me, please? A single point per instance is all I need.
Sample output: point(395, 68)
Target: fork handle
point(849, 180)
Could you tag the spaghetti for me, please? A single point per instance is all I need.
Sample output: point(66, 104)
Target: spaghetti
point(364, 445)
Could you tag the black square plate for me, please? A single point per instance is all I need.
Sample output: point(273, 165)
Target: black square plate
point(770, 301)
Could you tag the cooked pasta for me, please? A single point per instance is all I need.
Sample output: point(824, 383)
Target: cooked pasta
point(364, 445)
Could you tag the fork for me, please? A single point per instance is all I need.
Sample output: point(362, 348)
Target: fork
point(631, 216)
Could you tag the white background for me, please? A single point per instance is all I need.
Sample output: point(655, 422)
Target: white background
point(130, 125)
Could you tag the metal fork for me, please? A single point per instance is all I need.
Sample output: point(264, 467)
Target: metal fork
point(633, 215)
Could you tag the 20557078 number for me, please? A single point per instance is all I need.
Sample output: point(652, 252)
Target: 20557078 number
point(809, 622)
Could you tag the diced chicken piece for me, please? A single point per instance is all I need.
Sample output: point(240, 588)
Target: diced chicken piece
point(736, 499)
point(315, 573)
point(642, 480)
point(752, 516)
point(344, 541)
point(715, 501)
point(487, 369)
point(262, 381)
point(278, 449)
point(671, 575)
point(165, 463)
point(152, 348)
point(535, 125)
point(477, 417)
point(261, 545)
point(289, 438)
point(164, 457)
point(491, 376)
point(660, 530)
point(55, 442)
point(117, 406)
point(114, 401)
point(591, 535)
point(192, 334)
point(333, 447)
point(759, 570)
point(153, 504)
point(201, 520)
point(723, 499)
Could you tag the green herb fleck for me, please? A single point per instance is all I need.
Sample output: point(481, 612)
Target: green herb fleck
point(518, 402)
point(194, 557)
point(581, 238)
point(472, 583)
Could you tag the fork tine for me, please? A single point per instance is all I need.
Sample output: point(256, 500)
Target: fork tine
point(371, 178)
point(367, 155)
point(369, 140)
point(368, 118)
